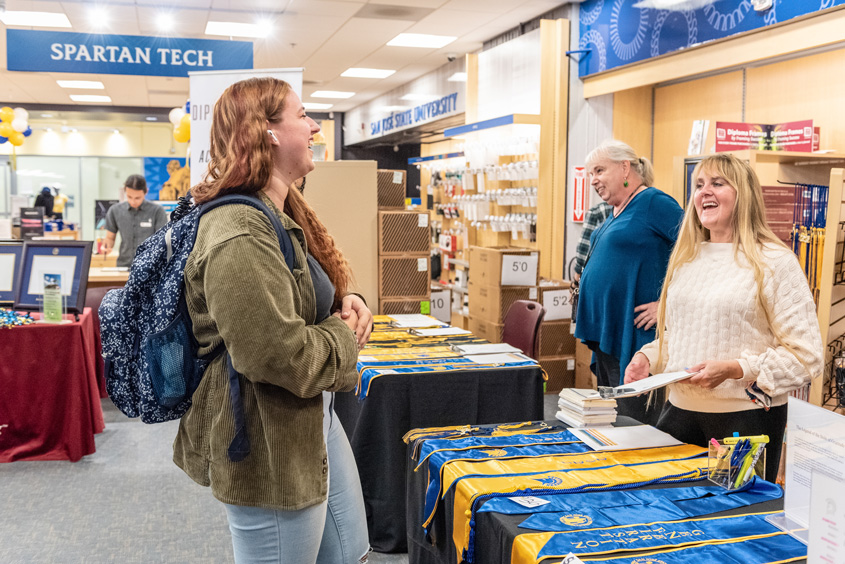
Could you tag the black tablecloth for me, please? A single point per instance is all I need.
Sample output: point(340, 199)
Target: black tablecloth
point(494, 532)
point(397, 403)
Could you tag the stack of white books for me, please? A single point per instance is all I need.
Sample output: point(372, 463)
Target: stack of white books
point(585, 408)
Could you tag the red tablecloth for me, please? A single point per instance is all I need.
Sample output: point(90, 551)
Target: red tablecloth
point(49, 391)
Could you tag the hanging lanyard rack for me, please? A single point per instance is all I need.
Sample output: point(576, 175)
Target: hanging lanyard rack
point(808, 231)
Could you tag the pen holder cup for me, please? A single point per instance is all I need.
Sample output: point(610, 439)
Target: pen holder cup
point(732, 469)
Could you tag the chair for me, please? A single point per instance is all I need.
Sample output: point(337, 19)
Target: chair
point(522, 326)
point(93, 297)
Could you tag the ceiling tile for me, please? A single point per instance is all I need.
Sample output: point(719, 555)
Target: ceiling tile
point(323, 8)
point(452, 22)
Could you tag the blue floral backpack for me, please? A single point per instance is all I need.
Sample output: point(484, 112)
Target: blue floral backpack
point(151, 355)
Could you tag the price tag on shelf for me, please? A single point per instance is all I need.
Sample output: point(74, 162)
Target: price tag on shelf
point(441, 305)
point(518, 270)
point(557, 305)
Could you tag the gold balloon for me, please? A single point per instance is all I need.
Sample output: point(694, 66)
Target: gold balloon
point(185, 121)
point(16, 138)
point(6, 129)
point(7, 114)
point(181, 134)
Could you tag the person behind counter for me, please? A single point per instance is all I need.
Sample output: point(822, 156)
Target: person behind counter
point(623, 272)
point(296, 497)
point(136, 219)
point(737, 312)
point(45, 200)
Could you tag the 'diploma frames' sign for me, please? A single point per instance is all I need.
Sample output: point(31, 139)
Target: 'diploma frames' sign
point(59, 51)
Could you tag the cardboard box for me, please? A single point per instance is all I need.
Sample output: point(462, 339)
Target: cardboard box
point(561, 373)
point(486, 266)
point(555, 339)
point(486, 330)
point(459, 320)
point(390, 189)
point(404, 276)
point(555, 297)
point(403, 233)
point(491, 303)
point(104, 260)
point(584, 378)
point(403, 306)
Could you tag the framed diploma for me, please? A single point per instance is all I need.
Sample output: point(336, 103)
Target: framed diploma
point(10, 263)
point(70, 260)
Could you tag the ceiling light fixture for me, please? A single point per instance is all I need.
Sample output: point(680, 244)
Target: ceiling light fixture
point(356, 72)
point(151, 118)
point(90, 98)
point(81, 84)
point(235, 29)
point(332, 94)
point(458, 77)
point(98, 17)
point(46, 115)
point(35, 19)
point(316, 106)
point(164, 22)
point(421, 40)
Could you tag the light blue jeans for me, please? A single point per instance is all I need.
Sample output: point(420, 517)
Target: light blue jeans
point(332, 532)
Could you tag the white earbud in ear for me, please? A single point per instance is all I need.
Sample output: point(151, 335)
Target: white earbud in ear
point(273, 135)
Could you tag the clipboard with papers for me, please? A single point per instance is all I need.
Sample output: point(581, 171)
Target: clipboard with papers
point(645, 385)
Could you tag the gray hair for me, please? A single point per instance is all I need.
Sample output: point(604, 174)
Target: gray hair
point(617, 151)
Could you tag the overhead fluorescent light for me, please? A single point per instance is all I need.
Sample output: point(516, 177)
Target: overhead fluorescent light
point(82, 84)
point(458, 77)
point(98, 17)
point(164, 22)
point(332, 94)
point(46, 115)
point(89, 98)
point(420, 97)
point(234, 29)
point(151, 118)
point(421, 40)
point(356, 72)
point(316, 106)
point(35, 19)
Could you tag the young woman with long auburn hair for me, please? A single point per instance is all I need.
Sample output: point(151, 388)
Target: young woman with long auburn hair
point(292, 337)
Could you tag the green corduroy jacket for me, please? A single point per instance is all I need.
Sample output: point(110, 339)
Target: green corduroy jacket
point(239, 289)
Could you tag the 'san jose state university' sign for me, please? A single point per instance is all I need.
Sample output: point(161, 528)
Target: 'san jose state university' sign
point(59, 51)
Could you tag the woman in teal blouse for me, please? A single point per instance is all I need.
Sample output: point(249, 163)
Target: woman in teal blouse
point(621, 280)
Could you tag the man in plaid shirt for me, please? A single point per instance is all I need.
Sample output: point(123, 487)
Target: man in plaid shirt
point(593, 218)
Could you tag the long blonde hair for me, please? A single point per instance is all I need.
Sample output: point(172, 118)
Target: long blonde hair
point(241, 162)
point(750, 234)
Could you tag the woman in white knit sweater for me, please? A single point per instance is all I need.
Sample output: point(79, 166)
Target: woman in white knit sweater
point(736, 310)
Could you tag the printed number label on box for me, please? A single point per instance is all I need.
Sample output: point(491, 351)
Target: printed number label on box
point(519, 270)
point(557, 304)
point(441, 307)
point(422, 264)
point(397, 177)
point(422, 220)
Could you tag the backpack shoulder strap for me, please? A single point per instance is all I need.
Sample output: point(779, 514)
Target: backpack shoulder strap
point(284, 238)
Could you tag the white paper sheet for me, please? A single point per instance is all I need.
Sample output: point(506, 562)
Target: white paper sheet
point(489, 348)
point(622, 438)
point(441, 332)
point(506, 358)
point(415, 320)
point(646, 384)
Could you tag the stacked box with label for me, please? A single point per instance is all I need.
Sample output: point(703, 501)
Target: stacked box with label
point(404, 244)
point(390, 189)
point(499, 276)
point(556, 344)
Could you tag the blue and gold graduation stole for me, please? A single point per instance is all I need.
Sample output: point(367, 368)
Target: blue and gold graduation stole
point(609, 509)
point(618, 470)
point(534, 547)
point(776, 548)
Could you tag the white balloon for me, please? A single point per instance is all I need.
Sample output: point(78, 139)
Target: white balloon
point(21, 114)
point(175, 115)
point(19, 124)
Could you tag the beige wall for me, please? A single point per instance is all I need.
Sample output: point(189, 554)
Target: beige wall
point(133, 140)
point(810, 87)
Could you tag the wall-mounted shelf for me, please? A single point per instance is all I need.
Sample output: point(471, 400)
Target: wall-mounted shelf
point(417, 160)
point(513, 119)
